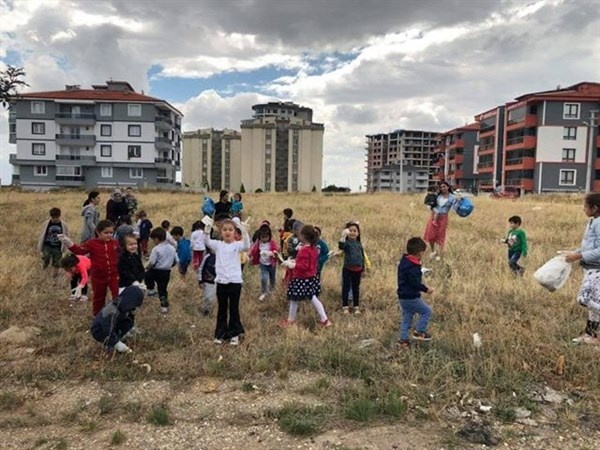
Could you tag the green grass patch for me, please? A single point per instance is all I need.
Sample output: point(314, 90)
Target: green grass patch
point(301, 420)
point(160, 416)
point(117, 438)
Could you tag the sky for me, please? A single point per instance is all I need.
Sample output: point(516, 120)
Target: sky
point(363, 66)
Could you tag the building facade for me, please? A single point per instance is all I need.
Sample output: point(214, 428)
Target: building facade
point(282, 149)
point(542, 142)
point(455, 157)
point(212, 159)
point(105, 136)
point(400, 161)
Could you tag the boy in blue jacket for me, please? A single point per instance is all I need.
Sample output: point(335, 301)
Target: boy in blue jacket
point(410, 286)
point(184, 250)
point(117, 318)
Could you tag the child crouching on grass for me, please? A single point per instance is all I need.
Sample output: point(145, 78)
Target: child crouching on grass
point(410, 287)
point(116, 319)
point(77, 268)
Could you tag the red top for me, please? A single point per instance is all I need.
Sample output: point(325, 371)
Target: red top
point(306, 262)
point(103, 255)
point(82, 267)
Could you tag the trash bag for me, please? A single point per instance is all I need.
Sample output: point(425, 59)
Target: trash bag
point(554, 274)
point(463, 206)
point(208, 206)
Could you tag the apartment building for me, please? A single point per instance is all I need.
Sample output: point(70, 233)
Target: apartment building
point(400, 161)
point(455, 157)
point(281, 149)
point(109, 135)
point(542, 142)
point(212, 159)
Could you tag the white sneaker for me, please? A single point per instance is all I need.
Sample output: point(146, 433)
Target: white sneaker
point(585, 339)
point(72, 298)
point(122, 348)
point(357, 311)
point(218, 341)
point(151, 293)
point(235, 340)
point(345, 310)
point(164, 310)
point(433, 255)
point(262, 297)
point(83, 299)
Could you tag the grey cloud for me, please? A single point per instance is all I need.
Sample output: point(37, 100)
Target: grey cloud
point(356, 114)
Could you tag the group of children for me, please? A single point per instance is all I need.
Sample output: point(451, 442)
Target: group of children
point(216, 253)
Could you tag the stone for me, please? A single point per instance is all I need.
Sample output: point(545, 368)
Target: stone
point(19, 336)
point(528, 422)
point(478, 432)
point(522, 413)
point(552, 396)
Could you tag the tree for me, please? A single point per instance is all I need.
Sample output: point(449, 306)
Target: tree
point(314, 188)
point(10, 84)
point(242, 189)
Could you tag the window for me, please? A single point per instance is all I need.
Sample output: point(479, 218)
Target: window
point(568, 155)
point(136, 173)
point(134, 110)
point(68, 171)
point(105, 130)
point(570, 133)
point(134, 130)
point(567, 178)
point(571, 111)
point(40, 171)
point(106, 151)
point(38, 128)
point(106, 172)
point(134, 151)
point(38, 149)
point(105, 109)
point(38, 107)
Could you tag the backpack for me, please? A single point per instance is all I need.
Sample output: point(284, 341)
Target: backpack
point(208, 206)
point(463, 207)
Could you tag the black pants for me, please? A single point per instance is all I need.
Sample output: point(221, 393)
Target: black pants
point(75, 280)
point(350, 280)
point(228, 296)
point(161, 278)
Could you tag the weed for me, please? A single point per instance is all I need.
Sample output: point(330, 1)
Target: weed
point(392, 405)
point(506, 414)
point(301, 420)
point(10, 401)
point(106, 404)
point(118, 437)
point(89, 426)
point(134, 410)
point(159, 415)
point(359, 408)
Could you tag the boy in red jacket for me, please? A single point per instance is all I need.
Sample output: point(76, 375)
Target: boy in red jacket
point(103, 252)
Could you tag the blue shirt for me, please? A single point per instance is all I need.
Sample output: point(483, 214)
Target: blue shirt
point(184, 251)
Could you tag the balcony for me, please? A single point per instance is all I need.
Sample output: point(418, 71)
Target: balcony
point(530, 120)
point(486, 149)
point(521, 142)
point(163, 143)
point(78, 140)
point(596, 163)
point(459, 143)
point(163, 123)
point(165, 180)
point(68, 118)
point(459, 174)
point(525, 163)
point(163, 162)
point(76, 160)
point(70, 180)
point(458, 159)
point(486, 132)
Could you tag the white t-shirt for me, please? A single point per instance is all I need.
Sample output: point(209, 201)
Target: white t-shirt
point(197, 239)
point(264, 247)
point(227, 264)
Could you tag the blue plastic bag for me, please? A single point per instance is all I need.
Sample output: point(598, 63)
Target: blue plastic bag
point(464, 207)
point(208, 206)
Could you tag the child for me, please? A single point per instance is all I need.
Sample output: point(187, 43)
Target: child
point(144, 228)
point(49, 244)
point(517, 244)
point(117, 318)
point(264, 252)
point(184, 251)
point(90, 214)
point(77, 267)
point(198, 247)
point(162, 258)
point(237, 206)
point(131, 269)
point(287, 225)
point(166, 225)
point(126, 227)
point(206, 279)
point(323, 251)
point(354, 265)
point(410, 287)
point(228, 279)
point(103, 252)
point(305, 283)
point(588, 256)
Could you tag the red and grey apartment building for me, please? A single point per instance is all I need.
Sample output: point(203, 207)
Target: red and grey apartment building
point(542, 142)
point(454, 155)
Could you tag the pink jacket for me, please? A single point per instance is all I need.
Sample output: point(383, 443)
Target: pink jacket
point(83, 267)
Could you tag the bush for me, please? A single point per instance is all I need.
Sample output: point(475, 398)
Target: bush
point(159, 415)
point(301, 420)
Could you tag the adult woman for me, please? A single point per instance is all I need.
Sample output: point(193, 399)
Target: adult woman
point(116, 207)
point(91, 216)
point(223, 206)
point(435, 232)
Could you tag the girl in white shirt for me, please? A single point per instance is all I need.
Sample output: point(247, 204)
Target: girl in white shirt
point(198, 247)
point(228, 279)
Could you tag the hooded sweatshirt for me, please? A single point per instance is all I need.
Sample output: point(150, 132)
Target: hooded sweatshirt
point(410, 277)
point(116, 208)
point(91, 216)
point(118, 317)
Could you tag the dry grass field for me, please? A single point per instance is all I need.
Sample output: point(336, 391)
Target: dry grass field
point(60, 391)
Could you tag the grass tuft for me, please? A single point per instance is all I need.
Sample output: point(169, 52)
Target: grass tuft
point(301, 420)
point(118, 438)
point(160, 416)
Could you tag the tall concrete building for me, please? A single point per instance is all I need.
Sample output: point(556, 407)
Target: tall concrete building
point(282, 149)
point(455, 155)
point(105, 136)
point(212, 159)
point(400, 161)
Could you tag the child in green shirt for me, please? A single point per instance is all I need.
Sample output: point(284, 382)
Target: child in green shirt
point(517, 244)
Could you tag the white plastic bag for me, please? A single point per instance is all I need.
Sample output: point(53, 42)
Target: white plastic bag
point(554, 274)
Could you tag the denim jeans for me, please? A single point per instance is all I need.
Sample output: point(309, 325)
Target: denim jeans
point(513, 258)
point(409, 309)
point(267, 274)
